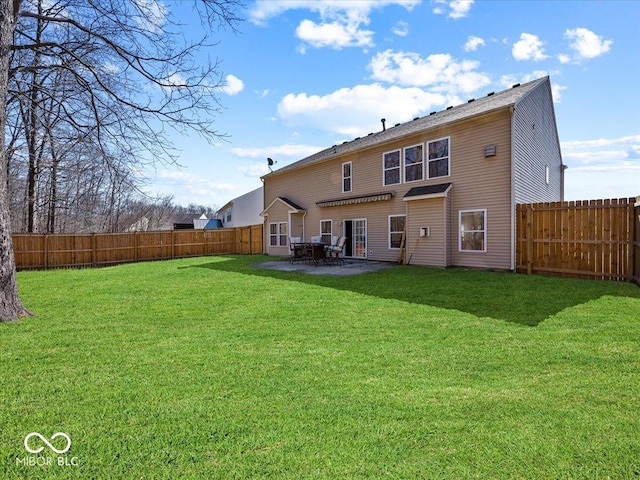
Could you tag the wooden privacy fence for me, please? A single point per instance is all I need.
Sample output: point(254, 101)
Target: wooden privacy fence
point(102, 249)
point(597, 239)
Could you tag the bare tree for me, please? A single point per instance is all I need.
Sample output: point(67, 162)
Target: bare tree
point(127, 73)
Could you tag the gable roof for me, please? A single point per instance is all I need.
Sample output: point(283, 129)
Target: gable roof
point(491, 102)
point(293, 207)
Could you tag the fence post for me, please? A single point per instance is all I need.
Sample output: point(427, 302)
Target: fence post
point(529, 231)
point(94, 253)
point(46, 252)
point(632, 238)
point(135, 246)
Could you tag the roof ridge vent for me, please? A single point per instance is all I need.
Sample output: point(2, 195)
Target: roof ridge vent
point(416, 118)
point(516, 85)
point(471, 101)
point(490, 94)
point(449, 107)
point(433, 113)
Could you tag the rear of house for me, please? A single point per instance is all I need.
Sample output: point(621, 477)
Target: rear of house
point(437, 191)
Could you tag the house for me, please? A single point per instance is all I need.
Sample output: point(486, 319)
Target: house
point(243, 210)
point(440, 190)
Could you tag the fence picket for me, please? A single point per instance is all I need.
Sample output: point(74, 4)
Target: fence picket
point(584, 239)
point(34, 251)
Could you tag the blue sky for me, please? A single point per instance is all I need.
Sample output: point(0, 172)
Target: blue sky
point(304, 75)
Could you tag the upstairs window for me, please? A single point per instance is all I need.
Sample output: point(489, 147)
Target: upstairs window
point(391, 164)
point(438, 160)
point(413, 163)
point(346, 177)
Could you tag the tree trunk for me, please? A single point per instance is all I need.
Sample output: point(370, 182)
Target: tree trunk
point(10, 306)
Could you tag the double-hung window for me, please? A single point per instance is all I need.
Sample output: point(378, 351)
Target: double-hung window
point(438, 158)
point(413, 163)
point(396, 229)
point(346, 177)
point(391, 166)
point(278, 234)
point(473, 230)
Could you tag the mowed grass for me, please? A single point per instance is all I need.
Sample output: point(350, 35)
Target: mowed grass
point(214, 368)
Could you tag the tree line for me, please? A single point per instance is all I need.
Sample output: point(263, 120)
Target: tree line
point(89, 91)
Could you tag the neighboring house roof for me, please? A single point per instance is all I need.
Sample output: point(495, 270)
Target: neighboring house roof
point(474, 107)
point(427, 191)
point(213, 223)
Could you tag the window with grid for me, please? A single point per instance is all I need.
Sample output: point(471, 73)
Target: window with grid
point(325, 231)
point(346, 177)
point(391, 166)
point(396, 229)
point(438, 158)
point(473, 230)
point(413, 163)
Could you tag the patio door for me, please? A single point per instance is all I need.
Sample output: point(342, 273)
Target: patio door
point(356, 233)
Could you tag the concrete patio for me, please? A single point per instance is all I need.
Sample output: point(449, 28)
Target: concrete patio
point(350, 267)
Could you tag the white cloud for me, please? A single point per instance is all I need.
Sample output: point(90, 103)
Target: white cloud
point(357, 111)
point(287, 150)
point(564, 58)
point(440, 72)
point(232, 85)
point(340, 22)
point(602, 167)
point(337, 35)
point(401, 28)
point(587, 44)
point(529, 47)
point(254, 170)
point(455, 8)
point(473, 43)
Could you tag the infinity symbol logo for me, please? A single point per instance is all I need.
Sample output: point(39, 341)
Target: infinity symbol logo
point(41, 437)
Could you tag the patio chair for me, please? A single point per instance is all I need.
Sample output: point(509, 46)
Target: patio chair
point(297, 249)
point(335, 253)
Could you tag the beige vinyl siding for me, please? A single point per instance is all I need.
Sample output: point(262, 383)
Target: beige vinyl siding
point(536, 146)
point(432, 250)
point(481, 182)
point(478, 183)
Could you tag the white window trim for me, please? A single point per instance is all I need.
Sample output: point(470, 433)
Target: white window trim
point(330, 222)
point(404, 163)
point(350, 177)
point(427, 160)
point(389, 229)
point(399, 167)
point(278, 235)
point(485, 231)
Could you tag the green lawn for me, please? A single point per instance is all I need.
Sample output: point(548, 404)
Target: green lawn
point(212, 368)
